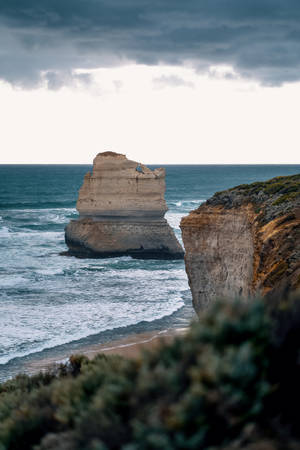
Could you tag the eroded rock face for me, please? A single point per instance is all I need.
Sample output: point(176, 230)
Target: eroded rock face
point(121, 209)
point(219, 253)
point(122, 188)
point(245, 241)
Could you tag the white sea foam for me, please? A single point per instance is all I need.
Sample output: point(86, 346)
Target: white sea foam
point(82, 303)
point(52, 217)
point(72, 331)
point(187, 203)
point(42, 216)
point(4, 232)
point(45, 236)
point(39, 210)
point(8, 281)
point(201, 200)
point(49, 271)
point(57, 300)
point(174, 219)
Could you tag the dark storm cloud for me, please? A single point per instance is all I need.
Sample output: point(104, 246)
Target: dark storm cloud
point(259, 38)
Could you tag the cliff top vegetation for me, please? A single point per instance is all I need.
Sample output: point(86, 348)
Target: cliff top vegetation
point(284, 188)
point(231, 382)
point(273, 197)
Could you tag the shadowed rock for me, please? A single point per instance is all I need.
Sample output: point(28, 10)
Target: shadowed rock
point(121, 209)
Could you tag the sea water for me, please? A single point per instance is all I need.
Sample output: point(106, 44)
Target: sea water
point(52, 304)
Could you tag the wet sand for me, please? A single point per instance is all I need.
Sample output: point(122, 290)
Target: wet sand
point(129, 347)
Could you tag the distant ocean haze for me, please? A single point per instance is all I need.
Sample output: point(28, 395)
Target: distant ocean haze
point(49, 302)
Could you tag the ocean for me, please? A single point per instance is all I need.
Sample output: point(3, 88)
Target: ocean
point(51, 305)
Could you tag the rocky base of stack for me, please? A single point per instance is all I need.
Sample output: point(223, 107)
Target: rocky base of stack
point(89, 238)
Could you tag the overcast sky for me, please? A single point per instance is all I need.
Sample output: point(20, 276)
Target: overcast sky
point(164, 81)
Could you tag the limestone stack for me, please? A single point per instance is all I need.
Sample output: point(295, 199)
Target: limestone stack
point(245, 242)
point(121, 209)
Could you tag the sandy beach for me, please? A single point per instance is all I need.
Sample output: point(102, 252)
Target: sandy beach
point(130, 347)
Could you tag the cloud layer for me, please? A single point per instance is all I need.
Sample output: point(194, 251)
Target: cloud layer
point(52, 38)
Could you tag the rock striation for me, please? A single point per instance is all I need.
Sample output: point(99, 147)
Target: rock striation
point(244, 242)
point(121, 209)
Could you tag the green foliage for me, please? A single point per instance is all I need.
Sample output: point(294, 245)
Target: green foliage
point(286, 198)
point(286, 186)
point(236, 370)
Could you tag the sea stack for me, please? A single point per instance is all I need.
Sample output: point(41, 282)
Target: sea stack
point(245, 242)
point(121, 209)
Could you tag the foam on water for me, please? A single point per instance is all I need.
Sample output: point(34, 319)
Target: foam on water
point(4, 232)
point(69, 322)
point(12, 281)
point(174, 219)
point(48, 300)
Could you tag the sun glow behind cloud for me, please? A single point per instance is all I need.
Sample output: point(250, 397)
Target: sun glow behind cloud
point(156, 114)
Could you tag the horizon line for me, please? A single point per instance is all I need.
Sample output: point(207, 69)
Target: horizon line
point(156, 164)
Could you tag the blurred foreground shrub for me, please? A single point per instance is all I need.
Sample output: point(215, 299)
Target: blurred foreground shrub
point(232, 382)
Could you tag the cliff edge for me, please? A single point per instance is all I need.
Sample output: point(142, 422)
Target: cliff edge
point(121, 209)
point(244, 241)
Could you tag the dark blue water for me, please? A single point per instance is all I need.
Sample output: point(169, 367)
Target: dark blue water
point(50, 303)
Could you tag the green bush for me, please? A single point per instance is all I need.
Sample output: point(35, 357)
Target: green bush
point(231, 382)
point(287, 186)
point(286, 198)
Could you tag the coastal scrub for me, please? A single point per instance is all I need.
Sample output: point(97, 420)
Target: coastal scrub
point(231, 382)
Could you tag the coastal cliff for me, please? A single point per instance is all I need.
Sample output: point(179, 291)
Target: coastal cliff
point(244, 241)
point(121, 209)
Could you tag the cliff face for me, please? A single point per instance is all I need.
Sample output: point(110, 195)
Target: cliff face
point(244, 241)
point(121, 209)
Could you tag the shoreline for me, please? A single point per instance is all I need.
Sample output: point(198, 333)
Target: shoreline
point(126, 341)
point(128, 347)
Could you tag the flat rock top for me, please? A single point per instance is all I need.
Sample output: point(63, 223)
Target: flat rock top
point(111, 154)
